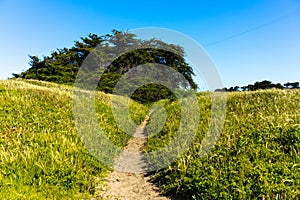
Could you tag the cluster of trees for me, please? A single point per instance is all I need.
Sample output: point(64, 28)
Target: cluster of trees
point(63, 65)
point(262, 85)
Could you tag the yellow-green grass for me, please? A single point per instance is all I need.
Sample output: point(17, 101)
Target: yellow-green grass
point(41, 154)
point(256, 156)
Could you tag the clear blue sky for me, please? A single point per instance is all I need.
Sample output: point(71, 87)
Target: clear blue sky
point(249, 40)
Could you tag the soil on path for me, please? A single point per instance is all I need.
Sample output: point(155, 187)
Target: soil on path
point(124, 185)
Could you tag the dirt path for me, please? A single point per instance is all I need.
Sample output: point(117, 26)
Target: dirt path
point(124, 185)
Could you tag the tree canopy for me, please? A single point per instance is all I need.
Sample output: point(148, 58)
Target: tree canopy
point(261, 85)
point(63, 65)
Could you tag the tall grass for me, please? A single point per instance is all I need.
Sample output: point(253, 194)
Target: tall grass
point(256, 157)
point(41, 155)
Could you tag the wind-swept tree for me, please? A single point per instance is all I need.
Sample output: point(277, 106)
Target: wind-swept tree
point(63, 64)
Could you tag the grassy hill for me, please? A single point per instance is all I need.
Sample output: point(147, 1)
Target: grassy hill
point(42, 157)
point(256, 156)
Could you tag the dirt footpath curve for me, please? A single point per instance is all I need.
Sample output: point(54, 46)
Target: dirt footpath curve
point(124, 185)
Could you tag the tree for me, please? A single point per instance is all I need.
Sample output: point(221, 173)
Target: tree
point(262, 85)
point(244, 88)
point(233, 89)
point(63, 64)
point(293, 85)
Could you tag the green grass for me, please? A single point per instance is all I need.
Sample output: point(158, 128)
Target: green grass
point(41, 154)
point(256, 156)
point(43, 157)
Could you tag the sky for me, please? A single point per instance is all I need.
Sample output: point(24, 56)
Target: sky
point(248, 40)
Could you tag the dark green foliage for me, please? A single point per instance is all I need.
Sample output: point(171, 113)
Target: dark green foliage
point(292, 85)
point(108, 81)
point(63, 65)
point(262, 85)
point(152, 93)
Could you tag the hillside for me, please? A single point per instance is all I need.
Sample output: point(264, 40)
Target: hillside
point(42, 157)
point(256, 156)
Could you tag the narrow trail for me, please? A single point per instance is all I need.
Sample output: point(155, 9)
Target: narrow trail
point(124, 185)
